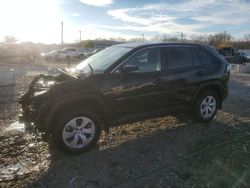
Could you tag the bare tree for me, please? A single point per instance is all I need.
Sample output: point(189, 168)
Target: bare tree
point(10, 39)
point(156, 38)
point(170, 39)
point(136, 39)
point(165, 38)
point(220, 39)
point(88, 44)
point(120, 39)
point(199, 39)
point(247, 37)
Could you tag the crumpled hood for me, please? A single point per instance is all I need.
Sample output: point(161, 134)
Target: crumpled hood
point(42, 83)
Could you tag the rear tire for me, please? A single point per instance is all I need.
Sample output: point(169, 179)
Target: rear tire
point(77, 132)
point(206, 106)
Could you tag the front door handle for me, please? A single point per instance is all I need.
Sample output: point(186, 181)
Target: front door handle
point(158, 81)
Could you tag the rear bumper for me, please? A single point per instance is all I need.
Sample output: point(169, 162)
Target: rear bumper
point(225, 93)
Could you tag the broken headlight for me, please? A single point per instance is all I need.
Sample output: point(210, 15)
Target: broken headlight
point(38, 93)
point(45, 83)
point(42, 85)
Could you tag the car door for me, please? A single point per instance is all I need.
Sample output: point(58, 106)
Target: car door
point(141, 90)
point(181, 73)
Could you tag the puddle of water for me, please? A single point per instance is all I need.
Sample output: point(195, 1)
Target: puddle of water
point(10, 172)
point(16, 126)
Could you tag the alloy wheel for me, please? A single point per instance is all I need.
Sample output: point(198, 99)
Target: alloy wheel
point(208, 107)
point(79, 132)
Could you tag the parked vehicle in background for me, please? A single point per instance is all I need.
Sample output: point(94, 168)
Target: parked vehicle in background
point(74, 53)
point(233, 55)
point(56, 55)
point(50, 55)
point(69, 53)
point(88, 54)
point(81, 52)
point(247, 53)
point(122, 83)
point(245, 56)
point(61, 54)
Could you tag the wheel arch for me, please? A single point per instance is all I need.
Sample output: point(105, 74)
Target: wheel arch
point(93, 103)
point(213, 86)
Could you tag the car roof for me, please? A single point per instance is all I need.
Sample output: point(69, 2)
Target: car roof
point(149, 44)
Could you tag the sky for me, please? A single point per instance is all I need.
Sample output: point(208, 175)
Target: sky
point(40, 20)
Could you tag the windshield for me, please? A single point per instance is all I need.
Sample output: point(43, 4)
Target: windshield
point(103, 59)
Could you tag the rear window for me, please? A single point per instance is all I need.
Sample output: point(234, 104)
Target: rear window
point(203, 56)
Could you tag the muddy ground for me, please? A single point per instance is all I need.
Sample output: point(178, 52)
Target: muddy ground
point(173, 151)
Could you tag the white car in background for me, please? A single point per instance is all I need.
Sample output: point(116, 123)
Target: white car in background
point(68, 53)
point(88, 54)
point(74, 52)
point(56, 55)
point(61, 54)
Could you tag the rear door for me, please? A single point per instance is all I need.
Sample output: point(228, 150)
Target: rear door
point(183, 71)
point(205, 63)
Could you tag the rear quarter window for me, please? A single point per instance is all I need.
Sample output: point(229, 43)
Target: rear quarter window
point(205, 58)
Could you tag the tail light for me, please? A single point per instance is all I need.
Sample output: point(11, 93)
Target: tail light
point(228, 68)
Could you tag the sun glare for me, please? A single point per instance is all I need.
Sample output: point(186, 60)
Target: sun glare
point(31, 20)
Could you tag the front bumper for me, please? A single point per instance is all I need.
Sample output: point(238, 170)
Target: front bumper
point(34, 111)
point(21, 118)
point(28, 126)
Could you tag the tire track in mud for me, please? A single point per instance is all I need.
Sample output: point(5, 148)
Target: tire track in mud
point(175, 163)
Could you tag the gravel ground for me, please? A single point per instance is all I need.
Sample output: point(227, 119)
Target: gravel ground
point(173, 151)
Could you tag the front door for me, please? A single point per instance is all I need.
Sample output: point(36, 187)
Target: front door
point(141, 90)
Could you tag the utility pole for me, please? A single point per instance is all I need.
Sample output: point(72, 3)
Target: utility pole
point(181, 37)
point(142, 37)
point(62, 35)
point(80, 32)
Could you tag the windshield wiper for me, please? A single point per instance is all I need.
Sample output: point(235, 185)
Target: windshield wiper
point(91, 68)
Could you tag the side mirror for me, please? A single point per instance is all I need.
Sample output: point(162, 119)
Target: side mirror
point(129, 69)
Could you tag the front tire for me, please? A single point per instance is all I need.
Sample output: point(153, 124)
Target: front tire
point(206, 106)
point(77, 132)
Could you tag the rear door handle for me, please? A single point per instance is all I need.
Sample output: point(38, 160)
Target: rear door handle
point(200, 73)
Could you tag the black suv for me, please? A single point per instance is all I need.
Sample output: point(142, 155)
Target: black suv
point(121, 83)
point(233, 55)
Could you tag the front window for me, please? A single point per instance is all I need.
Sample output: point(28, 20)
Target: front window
point(103, 59)
point(148, 60)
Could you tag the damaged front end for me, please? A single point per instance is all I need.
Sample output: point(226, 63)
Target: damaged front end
point(37, 101)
